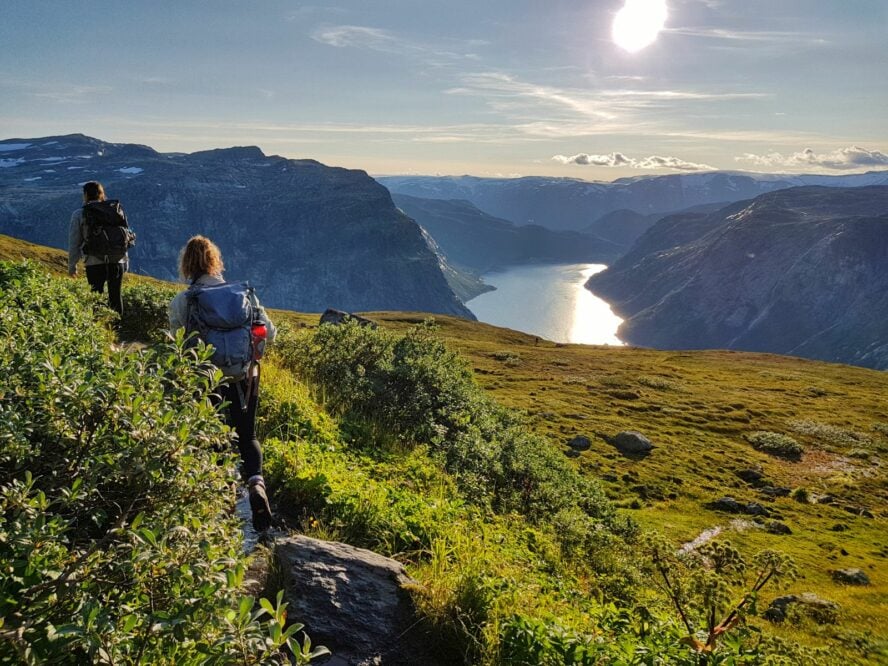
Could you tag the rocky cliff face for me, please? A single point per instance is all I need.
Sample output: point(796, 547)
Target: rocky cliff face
point(306, 235)
point(802, 271)
point(567, 203)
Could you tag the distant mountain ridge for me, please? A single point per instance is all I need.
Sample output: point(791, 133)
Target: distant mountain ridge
point(309, 236)
point(567, 203)
point(472, 239)
point(802, 271)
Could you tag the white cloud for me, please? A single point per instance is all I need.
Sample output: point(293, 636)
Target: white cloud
point(385, 41)
point(853, 157)
point(621, 160)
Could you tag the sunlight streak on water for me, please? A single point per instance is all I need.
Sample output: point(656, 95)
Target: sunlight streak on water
point(549, 301)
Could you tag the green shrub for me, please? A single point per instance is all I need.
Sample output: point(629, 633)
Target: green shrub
point(775, 444)
point(116, 541)
point(146, 308)
point(414, 389)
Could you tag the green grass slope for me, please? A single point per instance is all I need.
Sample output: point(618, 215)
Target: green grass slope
point(704, 412)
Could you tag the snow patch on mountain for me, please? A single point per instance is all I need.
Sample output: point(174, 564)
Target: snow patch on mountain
point(9, 147)
point(11, 162)
point(131, 170)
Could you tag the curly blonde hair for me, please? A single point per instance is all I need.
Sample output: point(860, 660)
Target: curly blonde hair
point(200, 256)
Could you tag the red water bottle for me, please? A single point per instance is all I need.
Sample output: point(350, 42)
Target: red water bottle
point(259, 331)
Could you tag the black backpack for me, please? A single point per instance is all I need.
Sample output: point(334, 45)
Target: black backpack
point(106, 233)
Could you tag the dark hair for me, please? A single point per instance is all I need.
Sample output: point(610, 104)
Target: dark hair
point(200, 256)
point(93, 191)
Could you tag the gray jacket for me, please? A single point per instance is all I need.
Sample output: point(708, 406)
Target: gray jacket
point(75, 245)
point(179, 308)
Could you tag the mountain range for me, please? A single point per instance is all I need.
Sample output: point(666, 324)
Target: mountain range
point(307, 235)
point(567, 203)
point(471, 239)
point(801, 271)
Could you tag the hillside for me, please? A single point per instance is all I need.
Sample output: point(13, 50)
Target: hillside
point(701, 410)
point(310, 235)
point(753, 276)
point(471, 239)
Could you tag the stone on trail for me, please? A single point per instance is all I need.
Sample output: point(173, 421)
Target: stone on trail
point(580, 443)
point(354, 602)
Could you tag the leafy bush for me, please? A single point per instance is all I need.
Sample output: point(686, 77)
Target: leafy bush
point(775, 443)
point(116, 543)
point(414, 389)
point(146, 307)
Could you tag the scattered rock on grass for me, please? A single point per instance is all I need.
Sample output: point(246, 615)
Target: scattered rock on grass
point(753, 477)
point(850, 577)
point(730, 505)
point(580, 443)
point(776, 527)
point(821, 611)
point(775, 491)
point(630, 441)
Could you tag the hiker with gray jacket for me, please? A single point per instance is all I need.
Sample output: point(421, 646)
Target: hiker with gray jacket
point(228, 316)
point(99, 233)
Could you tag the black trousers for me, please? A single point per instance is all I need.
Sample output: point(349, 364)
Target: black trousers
point(99, 274)
point(243, 422)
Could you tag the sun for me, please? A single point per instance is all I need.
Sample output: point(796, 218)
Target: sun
point(638, 23)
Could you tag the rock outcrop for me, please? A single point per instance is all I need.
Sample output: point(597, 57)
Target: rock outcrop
point(802, 271)
point(354, 602)
point(308, 236)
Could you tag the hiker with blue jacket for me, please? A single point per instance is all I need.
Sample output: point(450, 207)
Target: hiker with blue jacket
point(99, 233)
point(228, 316)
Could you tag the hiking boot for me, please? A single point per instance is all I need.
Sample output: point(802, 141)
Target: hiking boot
point(260, 507)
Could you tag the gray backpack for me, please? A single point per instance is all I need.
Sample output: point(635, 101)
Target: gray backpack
point(223, 316)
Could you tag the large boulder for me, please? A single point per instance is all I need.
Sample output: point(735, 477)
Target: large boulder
point(821, 611)
point(850, 577)
point(354, 602)
point(632, 443)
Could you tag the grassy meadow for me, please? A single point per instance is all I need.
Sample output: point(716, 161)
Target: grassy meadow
point(510, 568)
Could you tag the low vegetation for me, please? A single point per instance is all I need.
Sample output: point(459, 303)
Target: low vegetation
point(442, 447)
point(776, 444)
point(115, 540)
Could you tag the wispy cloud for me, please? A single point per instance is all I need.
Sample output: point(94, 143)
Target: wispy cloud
point(553, 111)
point(769, 36)
point(55, 92)
point(853, 157)
point(621, 160)
point(73, 94)
point(386, 41)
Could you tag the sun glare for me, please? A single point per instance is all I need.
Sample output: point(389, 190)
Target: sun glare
point(638, 23)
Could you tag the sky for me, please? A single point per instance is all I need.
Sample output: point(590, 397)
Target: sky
point(483, 87)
